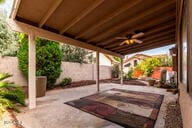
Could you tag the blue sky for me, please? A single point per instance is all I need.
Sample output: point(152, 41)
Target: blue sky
point(163, 50)
point(7, 5)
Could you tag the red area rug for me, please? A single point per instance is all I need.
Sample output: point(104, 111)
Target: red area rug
point(129, 109)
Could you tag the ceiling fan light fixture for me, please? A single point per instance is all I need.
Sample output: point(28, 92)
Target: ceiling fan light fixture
point(131, 41)
point(127, 42)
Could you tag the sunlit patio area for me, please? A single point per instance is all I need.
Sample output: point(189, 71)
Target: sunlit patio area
point(51, 112)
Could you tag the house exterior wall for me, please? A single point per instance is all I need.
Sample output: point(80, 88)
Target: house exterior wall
point(103, 60)
point(185, 97)
point(76, 71)
point(126, 69)
point(185, 101)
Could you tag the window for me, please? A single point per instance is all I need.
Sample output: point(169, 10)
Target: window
point(128, 65)
point(184, 48)
point(135, 63)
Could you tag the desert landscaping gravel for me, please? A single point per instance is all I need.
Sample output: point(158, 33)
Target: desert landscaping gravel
point(173, 116)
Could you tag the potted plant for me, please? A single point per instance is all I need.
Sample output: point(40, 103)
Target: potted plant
point(151, 82)
point(41, 83)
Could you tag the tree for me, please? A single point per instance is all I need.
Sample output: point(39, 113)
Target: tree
point(165, 61)
point(48, 59)
point(8, 38)
point(2, 1)
point(147, 65)
point(73, 54)
point(117, 59)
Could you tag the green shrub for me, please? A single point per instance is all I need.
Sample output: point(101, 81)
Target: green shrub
point(48, 59)
point(66, 81)
point(10, 94)
point(115, 71)
point(130, 74)
point(147, 65)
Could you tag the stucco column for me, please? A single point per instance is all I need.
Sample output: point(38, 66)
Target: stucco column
point(97, 70)
point(32, 72)
point(121, 72)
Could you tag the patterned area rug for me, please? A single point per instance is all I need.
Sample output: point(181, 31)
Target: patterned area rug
point(129, 109)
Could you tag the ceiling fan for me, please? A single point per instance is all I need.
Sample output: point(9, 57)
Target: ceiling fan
point(131, 38)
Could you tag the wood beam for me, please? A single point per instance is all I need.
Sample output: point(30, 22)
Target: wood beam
point(145, 44)
point(162, 19)
point(160, 29)
point(116, 46)
point(150, 47)
point(114, 14)
point(25, 28)
point(82, 15)
point(15, 8)
point(149, 12)
point(54, 6)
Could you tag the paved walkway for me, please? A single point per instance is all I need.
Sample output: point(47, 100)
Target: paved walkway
point(52, 113)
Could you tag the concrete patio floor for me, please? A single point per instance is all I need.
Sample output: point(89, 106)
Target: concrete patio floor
point(51, 112)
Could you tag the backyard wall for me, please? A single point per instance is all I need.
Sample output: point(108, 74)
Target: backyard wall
point(76, 71)
point(80, 72)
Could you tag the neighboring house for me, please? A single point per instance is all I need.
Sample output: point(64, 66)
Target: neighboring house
point(133, 61)
point(104, 59)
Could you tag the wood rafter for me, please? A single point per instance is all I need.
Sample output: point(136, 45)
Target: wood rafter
point(162, 21)
point(49, 12)
point(82, 15)
point(149, 12)
point(27, 29)
point(149, 38)
point(15, 8)
point(157, 45)
point(109, 17)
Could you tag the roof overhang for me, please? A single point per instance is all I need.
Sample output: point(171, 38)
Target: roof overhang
point(94, 24)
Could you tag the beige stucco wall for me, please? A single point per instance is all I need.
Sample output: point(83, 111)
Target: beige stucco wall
point(10, 65)
point(185, 101)
point(83, 71)
point(126, 69)
point(74, 70)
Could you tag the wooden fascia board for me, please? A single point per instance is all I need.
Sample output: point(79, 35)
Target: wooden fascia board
point(39, 32)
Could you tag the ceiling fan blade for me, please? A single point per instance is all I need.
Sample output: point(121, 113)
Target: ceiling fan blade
point(138, 41)
point(137, 35)
point(122, 43)
point(121, 38)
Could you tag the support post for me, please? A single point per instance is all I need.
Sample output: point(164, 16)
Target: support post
point(121, 71)
point(32, 71)
point(97, 71)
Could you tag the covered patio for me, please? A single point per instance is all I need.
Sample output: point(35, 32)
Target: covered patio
point(51, 112)
point(94, 25)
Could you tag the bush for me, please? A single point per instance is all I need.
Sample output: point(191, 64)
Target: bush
point(115, 71)
point(73, 53)
point(129, 75)
point(8, 38)
point(10, 94)
point(66, 81)
point(147, 66)
point(48, 59)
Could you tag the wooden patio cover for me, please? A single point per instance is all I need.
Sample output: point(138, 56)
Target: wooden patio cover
point(94, 24)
